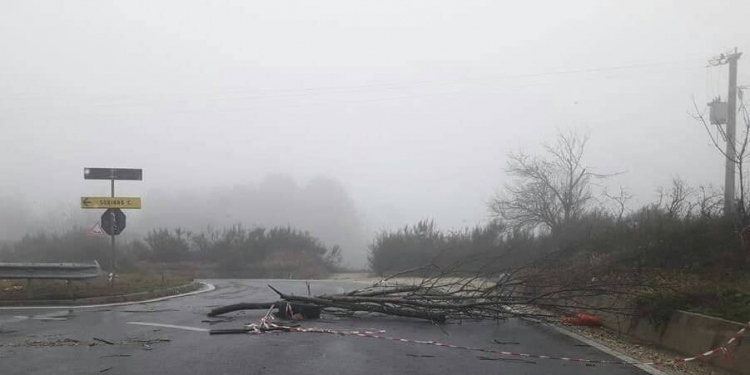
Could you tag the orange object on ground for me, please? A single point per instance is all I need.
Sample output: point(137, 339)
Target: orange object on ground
point(582, 319)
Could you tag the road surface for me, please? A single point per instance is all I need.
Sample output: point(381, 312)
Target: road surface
point(65, 341)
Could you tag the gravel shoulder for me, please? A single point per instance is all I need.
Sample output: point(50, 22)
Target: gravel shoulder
point(645, 352)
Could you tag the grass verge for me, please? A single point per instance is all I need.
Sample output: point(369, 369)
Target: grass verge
point(16, 290)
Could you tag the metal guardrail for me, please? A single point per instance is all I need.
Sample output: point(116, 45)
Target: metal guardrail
point(61, 271)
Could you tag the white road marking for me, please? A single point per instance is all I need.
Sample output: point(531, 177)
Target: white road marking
point(196, 329)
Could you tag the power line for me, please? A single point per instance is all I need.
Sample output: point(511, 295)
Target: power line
point(150, 105)
point(390, 85)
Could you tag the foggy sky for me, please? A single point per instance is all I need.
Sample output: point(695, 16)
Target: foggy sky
point(411, 106)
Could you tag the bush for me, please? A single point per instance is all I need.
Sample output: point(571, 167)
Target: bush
point(422, 244)
point(724, 302)
point(71, 246)
point(242, 252)
point(649, 238)
point(168, 246)
point(235, 251)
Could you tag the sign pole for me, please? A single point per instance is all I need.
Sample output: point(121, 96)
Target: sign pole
point(113, 220)
point(112, 236)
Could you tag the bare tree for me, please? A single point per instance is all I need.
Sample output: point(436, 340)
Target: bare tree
point(676, 201)
point(709, 201)
point(620, 201)
point(548, 192)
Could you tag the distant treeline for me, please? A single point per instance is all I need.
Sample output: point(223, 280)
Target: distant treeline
point(235, 251)
point(657, 236)
point(320, 205)
point(549, 211)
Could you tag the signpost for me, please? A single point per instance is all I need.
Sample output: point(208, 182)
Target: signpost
point(113, 220)
point(111, 202)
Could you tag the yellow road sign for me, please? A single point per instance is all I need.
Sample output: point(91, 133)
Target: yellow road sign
point(111, 202)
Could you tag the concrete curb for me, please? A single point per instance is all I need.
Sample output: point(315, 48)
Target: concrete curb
point(128, 299)
point(649, 369)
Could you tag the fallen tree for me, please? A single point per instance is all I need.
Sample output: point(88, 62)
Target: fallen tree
point(440, 294)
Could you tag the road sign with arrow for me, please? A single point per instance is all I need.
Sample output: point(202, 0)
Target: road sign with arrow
point(111, 202)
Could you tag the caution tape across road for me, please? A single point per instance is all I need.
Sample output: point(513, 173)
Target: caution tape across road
point(267, 326)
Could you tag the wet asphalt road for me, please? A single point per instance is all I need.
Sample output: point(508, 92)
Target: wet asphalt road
point(62, 341)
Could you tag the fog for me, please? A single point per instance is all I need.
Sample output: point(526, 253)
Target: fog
point(344, 117)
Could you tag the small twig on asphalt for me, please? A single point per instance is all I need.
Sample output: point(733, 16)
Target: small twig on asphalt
point(104, 341)
point(116, 355)
point(225, 320)
point(506, 342)
point(150, 341)
point(106, 369)
point(420, 355)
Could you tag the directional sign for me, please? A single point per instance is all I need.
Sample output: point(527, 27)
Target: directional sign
point(112, 174)
point(113, 221)
point(111, 202)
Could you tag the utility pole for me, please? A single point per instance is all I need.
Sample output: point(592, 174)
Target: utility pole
point(731, 133)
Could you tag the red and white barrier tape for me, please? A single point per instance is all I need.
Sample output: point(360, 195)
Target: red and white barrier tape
point(267, 326)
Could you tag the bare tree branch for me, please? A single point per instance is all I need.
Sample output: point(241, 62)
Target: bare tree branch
point(620, 200)
point(548, 192)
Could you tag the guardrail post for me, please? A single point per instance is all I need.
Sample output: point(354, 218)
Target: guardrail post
point(29, 290)
point(69, 285)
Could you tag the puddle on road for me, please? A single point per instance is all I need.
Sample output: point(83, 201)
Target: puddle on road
point(55, 316)
point(13, 319)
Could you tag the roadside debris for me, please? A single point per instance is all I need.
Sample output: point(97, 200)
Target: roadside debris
point(103, 341)
point(149, 341)
point(43, 343)
point(582, 319)
point(506, 342)
point(217, 321)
